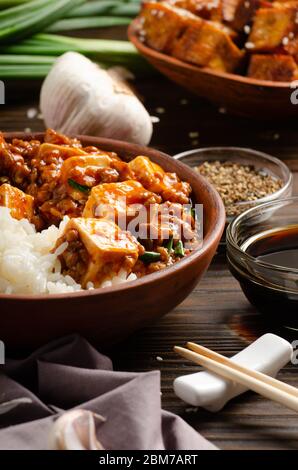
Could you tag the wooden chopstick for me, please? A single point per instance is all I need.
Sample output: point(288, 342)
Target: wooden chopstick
point(252, 373)
point(250, 379)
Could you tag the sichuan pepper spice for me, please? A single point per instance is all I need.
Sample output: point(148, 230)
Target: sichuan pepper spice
point(238, 183)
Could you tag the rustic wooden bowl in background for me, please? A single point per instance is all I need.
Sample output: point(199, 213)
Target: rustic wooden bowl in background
point(107, 315)
point(238, 94)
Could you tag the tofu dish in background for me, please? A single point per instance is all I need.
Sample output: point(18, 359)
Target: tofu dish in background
point(256, 38)
point(74, 205)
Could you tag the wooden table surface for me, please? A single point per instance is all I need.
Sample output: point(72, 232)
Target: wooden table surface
point(216, 314)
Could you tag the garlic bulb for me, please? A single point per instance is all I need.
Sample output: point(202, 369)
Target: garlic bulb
point(78, 97)
point(75, 430)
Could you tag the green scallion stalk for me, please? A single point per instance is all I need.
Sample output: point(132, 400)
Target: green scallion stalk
point(96, 7)
point(126, 9)
point(11, 3)
point(22, 9)
point(22, 71)
point(106, 52)
point(72, 24)
point(32, 22)
point(13, 16)
point(56, 45)
point(7, 59)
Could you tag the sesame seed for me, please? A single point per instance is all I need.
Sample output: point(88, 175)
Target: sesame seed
point(32, 113)
point(249, 45)
point(246, 29)
point(285, 41)
point(183, 101)
point(222, 110)
point(238, 183)
point(191, 410)
point(160, 110)
point(159, 358)
point(154, 119)
point(193, 135)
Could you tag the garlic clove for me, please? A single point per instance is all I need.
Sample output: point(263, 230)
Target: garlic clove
point(79, 97)
point(75, 430)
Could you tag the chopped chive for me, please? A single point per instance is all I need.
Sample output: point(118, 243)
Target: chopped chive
point(169, 245)
point(79, 187)
point(193, 213)
point(179, 249)
point(150, 257)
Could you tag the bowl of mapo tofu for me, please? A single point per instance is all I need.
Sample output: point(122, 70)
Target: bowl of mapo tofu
point(239, 54)
point(98, 237)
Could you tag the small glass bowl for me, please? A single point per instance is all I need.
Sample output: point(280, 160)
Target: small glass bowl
point(272, 289)
point(243, 156)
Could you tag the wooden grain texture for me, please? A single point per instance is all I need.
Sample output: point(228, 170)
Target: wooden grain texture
point(216, 314)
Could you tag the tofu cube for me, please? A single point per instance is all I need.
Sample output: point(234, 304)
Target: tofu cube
point(160, 24)
point(82, 172)
point(271, 28)
point(96, 250)
point(155, 179)
point(208, 45)
point(239, 13)
point(118, 200)
point(20, 204)
point(275, 67)
point(207, 9)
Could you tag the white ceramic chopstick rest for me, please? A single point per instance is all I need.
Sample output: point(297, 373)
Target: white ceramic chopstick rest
point(268, 354)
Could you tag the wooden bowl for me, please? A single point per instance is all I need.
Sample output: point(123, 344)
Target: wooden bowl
point(237, 94)
point(107, 315)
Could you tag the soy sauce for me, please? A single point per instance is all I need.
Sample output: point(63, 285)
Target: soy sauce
point(278, 247)
point(270, 291)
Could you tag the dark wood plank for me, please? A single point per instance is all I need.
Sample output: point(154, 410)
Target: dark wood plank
point(216, 314)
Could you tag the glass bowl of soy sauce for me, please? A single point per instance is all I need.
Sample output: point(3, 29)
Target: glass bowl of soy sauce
point(262, 252)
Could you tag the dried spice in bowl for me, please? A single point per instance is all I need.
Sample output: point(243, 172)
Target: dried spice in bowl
point(237, 183)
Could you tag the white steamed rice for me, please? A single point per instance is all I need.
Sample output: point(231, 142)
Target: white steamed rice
point(27, 265)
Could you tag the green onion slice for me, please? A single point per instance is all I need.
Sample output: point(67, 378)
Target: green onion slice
point(79, 187)
point(179, 249)
point(150, 257)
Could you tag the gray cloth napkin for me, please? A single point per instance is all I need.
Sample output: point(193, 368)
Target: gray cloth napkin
point(70, 373)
